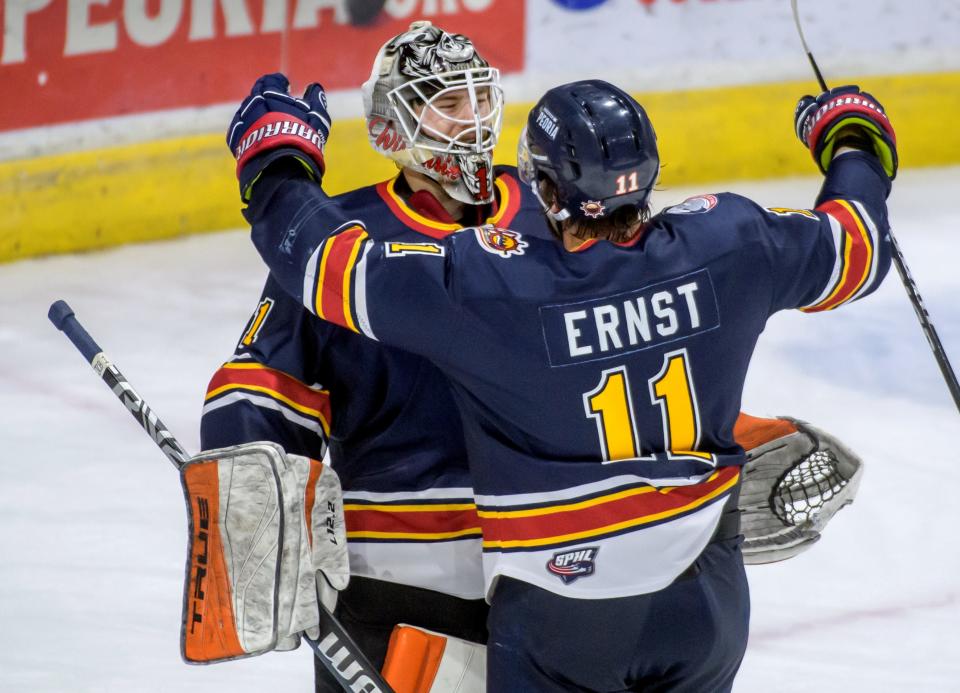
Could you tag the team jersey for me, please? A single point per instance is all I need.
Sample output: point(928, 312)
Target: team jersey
point(387, 416)
point(598, 388)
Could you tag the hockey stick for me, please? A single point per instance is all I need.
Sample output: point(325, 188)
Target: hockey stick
point(334, 648)
point(803, 40)
point(913, 293)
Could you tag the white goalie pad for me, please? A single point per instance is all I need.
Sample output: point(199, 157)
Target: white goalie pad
point(266, 536)
point(792, 486)
point(422, 661)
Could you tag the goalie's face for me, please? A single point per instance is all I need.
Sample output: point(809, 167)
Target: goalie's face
point(451, 116)
point(456, 112)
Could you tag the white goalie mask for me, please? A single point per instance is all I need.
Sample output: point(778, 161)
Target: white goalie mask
point(434, 105)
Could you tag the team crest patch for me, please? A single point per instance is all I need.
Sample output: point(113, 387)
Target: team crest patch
point(502, 242)
point(593, 209)
point(694, 205)
point(573, 565)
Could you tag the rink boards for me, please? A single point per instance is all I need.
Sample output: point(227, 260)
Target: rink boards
point(146, 191)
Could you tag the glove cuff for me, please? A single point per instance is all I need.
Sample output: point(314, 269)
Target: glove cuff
point(844, 106)
point(275, 130)
point(254, 168)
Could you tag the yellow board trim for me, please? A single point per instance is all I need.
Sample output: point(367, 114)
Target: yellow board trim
point(158, 190)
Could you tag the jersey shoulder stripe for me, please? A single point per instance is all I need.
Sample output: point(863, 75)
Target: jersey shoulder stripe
point(855, 265)
point(329, 274)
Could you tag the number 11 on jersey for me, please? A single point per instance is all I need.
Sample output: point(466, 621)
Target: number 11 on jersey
point(610, 405)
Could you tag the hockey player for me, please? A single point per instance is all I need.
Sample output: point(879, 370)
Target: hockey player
point(598, 378)
point(433, 105)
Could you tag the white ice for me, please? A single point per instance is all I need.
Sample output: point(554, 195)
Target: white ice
point(92, 523)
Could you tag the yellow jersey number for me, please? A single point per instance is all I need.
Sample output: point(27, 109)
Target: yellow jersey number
point(611, 406)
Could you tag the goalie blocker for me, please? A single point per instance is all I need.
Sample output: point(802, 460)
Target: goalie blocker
point(267, 538)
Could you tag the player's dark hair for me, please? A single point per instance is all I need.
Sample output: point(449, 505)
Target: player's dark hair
point(618, 227)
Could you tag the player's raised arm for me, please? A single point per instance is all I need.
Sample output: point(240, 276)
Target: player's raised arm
point(822, 258)
point(315, 252)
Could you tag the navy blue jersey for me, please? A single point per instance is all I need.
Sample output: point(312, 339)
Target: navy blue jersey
point(599, 388)
point(387, 416)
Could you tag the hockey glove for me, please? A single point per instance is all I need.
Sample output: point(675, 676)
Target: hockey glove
point(267, 542)
point(271, 124)
point(796, 478)
point(845, 116)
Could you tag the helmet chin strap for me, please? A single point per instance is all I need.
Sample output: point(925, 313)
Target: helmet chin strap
point(557, 216)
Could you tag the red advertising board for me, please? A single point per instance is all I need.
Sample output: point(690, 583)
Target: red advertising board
point(69, 60)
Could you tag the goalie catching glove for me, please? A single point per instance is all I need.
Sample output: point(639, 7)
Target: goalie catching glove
point(796, 478)
point(267, 538)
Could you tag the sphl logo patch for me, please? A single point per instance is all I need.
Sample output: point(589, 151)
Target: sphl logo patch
point(573, 565)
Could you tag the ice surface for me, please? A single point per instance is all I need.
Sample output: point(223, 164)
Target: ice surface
point(92, 525)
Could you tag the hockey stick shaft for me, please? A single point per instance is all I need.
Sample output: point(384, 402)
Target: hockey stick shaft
point(929, 331)
point(344, 659)
point(63, 318)
point(913, 293)
point(803, 40)
point(335, 649)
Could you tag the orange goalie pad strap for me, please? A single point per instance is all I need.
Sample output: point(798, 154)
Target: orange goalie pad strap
point(209, 627)
point(751, 431)
point(413, 658)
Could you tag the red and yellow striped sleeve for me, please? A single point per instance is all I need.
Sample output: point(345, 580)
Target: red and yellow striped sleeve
point(272, 389)
point(855, 265)
point(331, 277)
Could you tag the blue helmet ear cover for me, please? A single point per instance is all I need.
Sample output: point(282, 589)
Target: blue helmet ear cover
point(596, 144)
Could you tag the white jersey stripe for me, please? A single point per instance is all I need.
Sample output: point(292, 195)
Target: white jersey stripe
point(265, 402)
point(574, 492)
point(838, 238)
point(310, 280)
point(875, 259)
point(360, 293)
point(453, 493)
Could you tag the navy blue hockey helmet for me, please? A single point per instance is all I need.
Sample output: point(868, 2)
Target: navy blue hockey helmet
point(595, 143)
